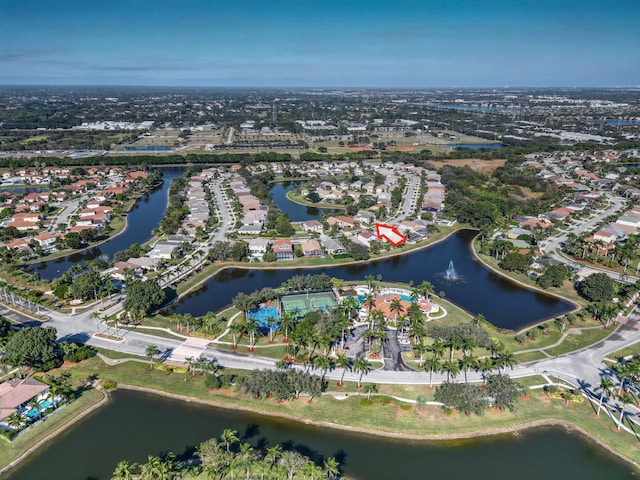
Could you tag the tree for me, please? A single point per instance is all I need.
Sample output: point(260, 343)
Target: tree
point(33, 347)
point(597, 287)
point(605, 388)
point(331, 468)
point(345, 364)
point(625, 399)
point(362, 366)
point(370, 388)
point(143, 297)
point(150, 352)
point(124, 471)
point(228, 438)
point(432, 365)
point(292, 461)
point(503, 390)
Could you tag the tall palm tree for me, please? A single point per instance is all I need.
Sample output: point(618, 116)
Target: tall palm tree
point(345, 364)
point(455, 343)
point(362, 366)
point(451, 368)
point(506, 359)
point(605, 388)
point(625, 399)
point(396, 307)
point(236, 330)
point(324, 364)
point(467, 363)
point(15, 421)
point(252, 325)
point(432, 365)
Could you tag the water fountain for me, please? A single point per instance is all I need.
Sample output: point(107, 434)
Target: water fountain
point(450, 274)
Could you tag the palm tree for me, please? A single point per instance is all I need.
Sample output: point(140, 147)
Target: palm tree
point(331, 468)
point(272, 322)
point(35, 405)
point(437, 348)
point(425, 288)
point(370, 388)
point(468, 344)
point(229, 437)
point(273, 454)
point(419, 349)
point(605, 388)
point(150, 470)
point(15, 421)
point(236, 329)
point(286, 323)
point(345, 363)
point(362, 366)
point(123, 471)
point(506, 359)
point(252, 325)
point(625, 399)
point(451, 368)
point(323, 363)
point(396, 307)
point(150, 352)
point(455, 343)
point(467, 363)
point(432, 365)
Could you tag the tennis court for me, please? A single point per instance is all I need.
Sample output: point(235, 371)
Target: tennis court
point(300, 304)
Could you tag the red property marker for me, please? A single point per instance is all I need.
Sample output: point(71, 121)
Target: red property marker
point(390, 234)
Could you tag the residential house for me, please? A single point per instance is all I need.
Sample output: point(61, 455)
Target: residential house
point(312, 226)
point(311, 248)
point(283, 249)
point(16, 394)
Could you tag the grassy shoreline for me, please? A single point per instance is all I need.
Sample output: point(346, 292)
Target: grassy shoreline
point(380, 418)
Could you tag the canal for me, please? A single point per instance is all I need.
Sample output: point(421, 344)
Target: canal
point(134, 425)
point(144, 216)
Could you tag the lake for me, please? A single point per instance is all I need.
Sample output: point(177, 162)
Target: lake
point(478, 289)
point(133, 425)
point(295, 211)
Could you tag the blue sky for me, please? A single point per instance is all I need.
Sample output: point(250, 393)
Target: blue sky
point(401, 43)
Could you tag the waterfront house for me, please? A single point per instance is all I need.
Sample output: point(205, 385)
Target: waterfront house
point(283, 249)
point(16, 394)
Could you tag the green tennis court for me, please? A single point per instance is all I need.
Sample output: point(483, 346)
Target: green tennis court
point(300, 304)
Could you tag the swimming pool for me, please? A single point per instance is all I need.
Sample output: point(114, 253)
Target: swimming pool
point(263, 314)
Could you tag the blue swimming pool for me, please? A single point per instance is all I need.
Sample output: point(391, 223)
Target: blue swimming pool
point(46, 404)
point(263, 314)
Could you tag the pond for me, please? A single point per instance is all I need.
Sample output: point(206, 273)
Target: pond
point(475, 288)
point(296, 211)
point(133, 425)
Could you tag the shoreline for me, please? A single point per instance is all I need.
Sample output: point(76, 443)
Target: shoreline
point(223, 267)
point(525, 286)
point(478, 434)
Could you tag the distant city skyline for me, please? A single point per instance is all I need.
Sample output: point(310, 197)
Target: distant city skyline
point(321, 43)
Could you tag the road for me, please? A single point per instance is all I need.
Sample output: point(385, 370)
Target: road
point(553, 245)
point(408, 205)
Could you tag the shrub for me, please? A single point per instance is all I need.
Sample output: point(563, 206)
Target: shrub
point(212, 382)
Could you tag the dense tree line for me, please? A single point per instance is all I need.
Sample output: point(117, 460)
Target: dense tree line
point(310, 283)
point(227, 457)
point(176, 208)
point(500, 391)
point(445, 333)
point(283, 385)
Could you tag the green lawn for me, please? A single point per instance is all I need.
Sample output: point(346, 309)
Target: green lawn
point(387, 417)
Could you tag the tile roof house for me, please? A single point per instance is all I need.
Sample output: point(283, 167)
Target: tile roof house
point(16, 393)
